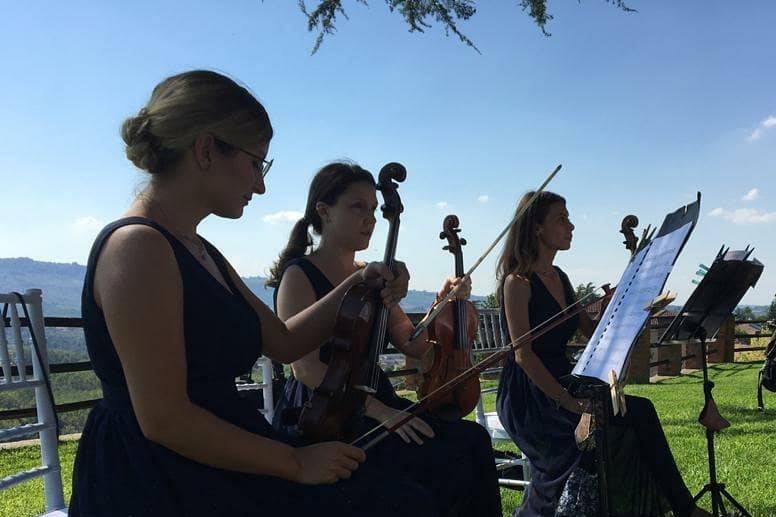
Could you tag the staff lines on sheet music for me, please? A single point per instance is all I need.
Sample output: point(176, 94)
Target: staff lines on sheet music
point(624, 319)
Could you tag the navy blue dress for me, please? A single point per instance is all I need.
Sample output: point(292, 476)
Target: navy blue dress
point(456, 466)
point(120, 473)
point(642, 475)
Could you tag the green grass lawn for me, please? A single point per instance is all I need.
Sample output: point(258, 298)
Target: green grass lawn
point(746, 452)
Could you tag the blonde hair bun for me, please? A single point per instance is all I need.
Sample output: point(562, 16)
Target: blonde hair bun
point(185, 105)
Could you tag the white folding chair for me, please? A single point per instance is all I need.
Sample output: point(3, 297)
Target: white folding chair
point(492, 424)
point(265, 386)
point(15, 358)
point(491, 340)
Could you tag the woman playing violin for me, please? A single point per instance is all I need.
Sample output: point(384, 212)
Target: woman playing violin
point(341, 209)
point(534, 405)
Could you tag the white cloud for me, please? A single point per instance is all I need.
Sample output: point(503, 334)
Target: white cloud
point(751, 195)
point(87, 225)
point(483, 198)
point(284, 216)
point(744, 215)
point(765, 125)
point(442, 204)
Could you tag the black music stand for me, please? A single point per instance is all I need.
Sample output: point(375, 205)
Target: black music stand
point(712, 302)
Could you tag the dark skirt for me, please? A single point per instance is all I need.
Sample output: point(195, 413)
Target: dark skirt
point(456, 466)
point(119, 473)
point(642, 476)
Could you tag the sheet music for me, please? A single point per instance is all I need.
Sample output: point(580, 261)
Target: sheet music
point(621, 324)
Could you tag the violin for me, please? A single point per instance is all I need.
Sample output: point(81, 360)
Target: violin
point(452, 335)
point(336, 408)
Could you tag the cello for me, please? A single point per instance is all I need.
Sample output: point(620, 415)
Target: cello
point(451, 335)
point(336, 408)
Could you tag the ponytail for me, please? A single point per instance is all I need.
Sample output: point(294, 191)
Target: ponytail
point(298, 243)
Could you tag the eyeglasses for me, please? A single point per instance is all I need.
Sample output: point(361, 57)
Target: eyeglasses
point(262, 166)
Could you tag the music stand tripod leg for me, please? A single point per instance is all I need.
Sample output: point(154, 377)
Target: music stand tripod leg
point(715, 489)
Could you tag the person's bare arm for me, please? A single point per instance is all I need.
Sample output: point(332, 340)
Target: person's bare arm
point(517, 294)
point(587, 324)
point(305, 331)
point(139, 289)
point(401, 328)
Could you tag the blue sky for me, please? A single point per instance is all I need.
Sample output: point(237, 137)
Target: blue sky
point(642, 110)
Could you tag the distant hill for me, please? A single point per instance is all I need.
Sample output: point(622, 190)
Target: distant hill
point(62, 284)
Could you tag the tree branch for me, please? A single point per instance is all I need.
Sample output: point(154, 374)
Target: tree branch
point(420, 14)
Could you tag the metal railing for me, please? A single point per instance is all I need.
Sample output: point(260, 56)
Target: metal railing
point(489, 339)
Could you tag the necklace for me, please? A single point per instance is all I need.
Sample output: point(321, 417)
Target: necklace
point(550, 272)
point(200, 252)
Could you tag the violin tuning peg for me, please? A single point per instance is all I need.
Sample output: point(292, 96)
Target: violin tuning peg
point(463, 242)
point(446, 248)
point(442, 235)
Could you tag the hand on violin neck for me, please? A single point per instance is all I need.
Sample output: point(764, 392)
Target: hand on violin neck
point(392, 284)
point(396, 286)
point(463, 288)
point(374, 273)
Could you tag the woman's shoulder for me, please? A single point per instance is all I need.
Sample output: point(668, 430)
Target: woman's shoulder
point(295, 274)
point(134, 257)
point(517, 284)
point(131, 230)
point(132, 241)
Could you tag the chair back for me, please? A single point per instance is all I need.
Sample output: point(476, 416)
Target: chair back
point(24, 366)
point(265, 386)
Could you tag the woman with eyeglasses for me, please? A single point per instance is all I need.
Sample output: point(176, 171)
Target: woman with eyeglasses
point(454, 460)
point(169, 325)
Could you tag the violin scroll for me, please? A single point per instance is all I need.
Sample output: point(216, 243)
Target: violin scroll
point(389, 174)
point(629, 223)
point(450, 230)
point(392, 171)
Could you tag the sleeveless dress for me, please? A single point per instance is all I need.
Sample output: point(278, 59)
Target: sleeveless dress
point(457, 465)
point(642, 475)
point(120, 473)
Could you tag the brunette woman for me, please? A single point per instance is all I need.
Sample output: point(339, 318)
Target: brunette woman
point(541, 415)
point(453, 460)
